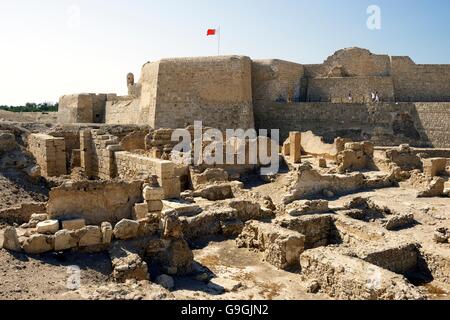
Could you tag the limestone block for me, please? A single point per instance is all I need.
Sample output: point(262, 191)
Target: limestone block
point(107, 232)
point(215, 192)
point(127, 264)
point(40, 217)
point(10, 240)
point(140, 211)
point(322, 163)
point(65, 240)
point(345, 277)
point(152, 193)
point(434, 167)
point(172, 188)
point(38, 243)
point(305, 207)
point(295, 139)
point(281, 247)
point(126, 229)
point(48, 227)
point(90, 236)
point(75, 224)
point(155, 206)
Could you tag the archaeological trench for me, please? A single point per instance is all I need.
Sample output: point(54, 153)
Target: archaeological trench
point(94, 207)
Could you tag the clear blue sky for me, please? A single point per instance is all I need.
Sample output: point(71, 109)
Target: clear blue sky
point(46, 51)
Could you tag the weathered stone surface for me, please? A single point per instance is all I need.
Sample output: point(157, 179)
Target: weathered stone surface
point(434, 166)
point(441, 235)
point(165, 281)
point(48, 227)
point(400, 257)
point(346, 277)
point(107, 232)
point(281, 247)
point(224, 285)
point(155, 206)
point(435, 189)
point(94, 201)
point(215, 192)
point(74, 224)
point(397, 222)
point(65, 240)
point(153, 193)
point(10, 240)
point(209, 176)
point(90, 236)
point(140, 211)
point(176, 258)
point(171, 225)
point(232, 228)
point(305, 207)
point(126, 229)
point(127, 264)
point(317, 229)
point(38, 243)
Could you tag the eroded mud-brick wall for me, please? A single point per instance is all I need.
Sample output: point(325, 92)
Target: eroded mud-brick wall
point(50, 154)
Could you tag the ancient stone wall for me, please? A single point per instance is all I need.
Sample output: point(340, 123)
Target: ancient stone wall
point(134, 166)
point(420, 124)
point(50, 154)
point(83, 108)
point(97, 153)
point(277, 80)
point(423, 83)
point(337, 90)
point(94, 201)
point(217, 91)
point(125, 111)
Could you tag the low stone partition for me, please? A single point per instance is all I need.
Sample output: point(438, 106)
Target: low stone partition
point(317, 229)
point(281, 247)
point(132, 166)
point(50, 154)
point(307, 182)
point(345, 277)
point(94, 201)
point(401, 258)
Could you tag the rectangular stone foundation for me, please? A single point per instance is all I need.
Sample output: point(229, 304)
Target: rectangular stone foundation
point(50, 154)
point(349, 278)
point(281, 247)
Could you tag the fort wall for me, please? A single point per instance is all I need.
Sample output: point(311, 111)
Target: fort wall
point(277, 80)
point(216, 90)
point(388, 124)
point(337, 90)
point(420, 83)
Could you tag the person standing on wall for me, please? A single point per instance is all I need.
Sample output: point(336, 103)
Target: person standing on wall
point(377, 97)
point(350, 97)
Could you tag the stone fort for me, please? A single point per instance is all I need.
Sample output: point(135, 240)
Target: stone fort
point(229, 92)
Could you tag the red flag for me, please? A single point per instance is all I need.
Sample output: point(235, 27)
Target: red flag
point(211, 32)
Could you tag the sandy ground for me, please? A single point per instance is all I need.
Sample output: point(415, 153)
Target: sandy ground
point(16, 189)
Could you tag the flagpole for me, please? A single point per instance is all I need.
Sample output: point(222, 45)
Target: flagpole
point(218, 42)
